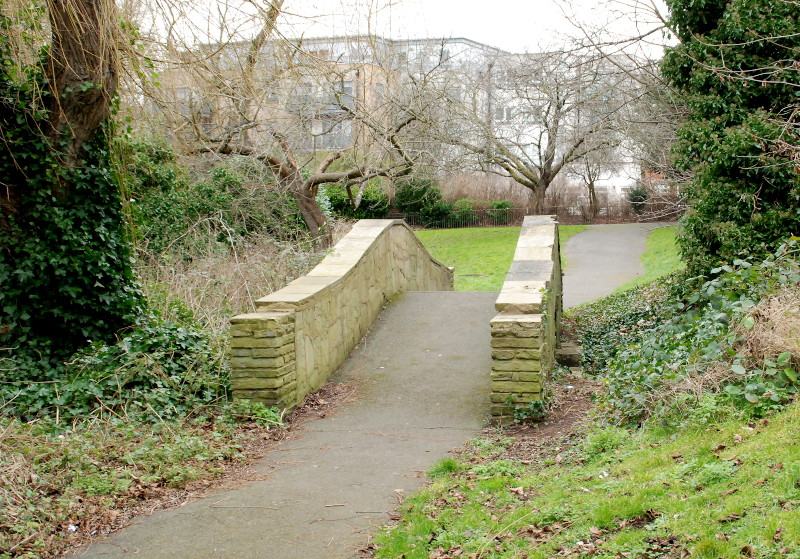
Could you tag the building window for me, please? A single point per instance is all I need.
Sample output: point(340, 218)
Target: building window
point(503, 114)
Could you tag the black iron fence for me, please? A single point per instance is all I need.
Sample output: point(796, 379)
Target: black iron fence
point(465, 218)
point(566, 215)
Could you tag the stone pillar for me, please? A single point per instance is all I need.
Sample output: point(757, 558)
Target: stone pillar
point(263, 358)
point(517, 375)
point(525, 332)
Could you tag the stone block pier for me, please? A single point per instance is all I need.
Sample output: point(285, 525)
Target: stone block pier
point(525, 330)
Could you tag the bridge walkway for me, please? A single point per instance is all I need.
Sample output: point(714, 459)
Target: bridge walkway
point(421, 384)
point(421, 391)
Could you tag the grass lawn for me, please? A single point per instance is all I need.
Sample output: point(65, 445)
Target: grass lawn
point(661, 257)
point(482, 256)
point(729, 490)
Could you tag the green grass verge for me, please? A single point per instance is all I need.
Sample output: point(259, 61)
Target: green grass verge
point(661, 257)
point(481, 256)
point(715, 490)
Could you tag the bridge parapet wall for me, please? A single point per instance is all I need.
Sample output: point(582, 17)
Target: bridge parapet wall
point(302, 333)
point(525, 330)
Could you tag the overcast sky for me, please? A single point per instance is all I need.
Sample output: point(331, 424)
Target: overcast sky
point(513, 25)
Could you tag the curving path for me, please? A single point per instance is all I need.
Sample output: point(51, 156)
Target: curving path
point(422, 378)
point(601, 258)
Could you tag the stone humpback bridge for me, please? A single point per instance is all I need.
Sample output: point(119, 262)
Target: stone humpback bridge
point(301, 334)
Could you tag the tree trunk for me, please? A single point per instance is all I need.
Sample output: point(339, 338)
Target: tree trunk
point(594, 208)
point(312, 214)
point(82, 72)
point(536, 203)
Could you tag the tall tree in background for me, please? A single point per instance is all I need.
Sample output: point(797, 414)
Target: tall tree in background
point(531, 116)
point(65, 270)
point(737, 65)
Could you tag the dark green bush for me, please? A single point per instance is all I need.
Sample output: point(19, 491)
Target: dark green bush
point(500, 212)
point(464, 210)
point(374, 201)
point(744, 196)
point(638, 197)
point(436, 215)
point(411, 195)
point(158, 370)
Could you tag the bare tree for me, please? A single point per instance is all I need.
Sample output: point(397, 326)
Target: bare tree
point(314, 111)
point(532, 115)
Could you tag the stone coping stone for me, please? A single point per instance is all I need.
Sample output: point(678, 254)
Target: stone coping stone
point(530, 270)
point(531, 220)
point(303, 285)
point(250, 318)
point(521, 297)
point(539, 236)
point(533, 253)
point(529, 318)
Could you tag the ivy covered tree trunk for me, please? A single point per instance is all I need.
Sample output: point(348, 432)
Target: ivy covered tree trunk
point(65, 262)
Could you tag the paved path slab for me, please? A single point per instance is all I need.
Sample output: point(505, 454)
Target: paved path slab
point(423, 373)
point(602, 258)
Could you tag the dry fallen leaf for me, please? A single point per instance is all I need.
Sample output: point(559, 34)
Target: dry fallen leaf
point(731, 517)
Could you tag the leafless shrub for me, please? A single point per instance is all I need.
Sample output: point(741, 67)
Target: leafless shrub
point(776, 327)
point(484, 187)
point(218, 285)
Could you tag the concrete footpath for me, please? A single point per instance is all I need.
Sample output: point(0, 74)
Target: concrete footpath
point(423, 381)
point(601, 258)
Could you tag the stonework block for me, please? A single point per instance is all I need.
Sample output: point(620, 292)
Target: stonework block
point(514, 342)
point(283, 350)
point(517, 387)
point(517, 365)
point(501, 375)
point(262, 342)
point(503, 354)
point(275, 332)
point(255, 383)
point(526, 398)
point(528, 377)
point(502, 410)
point(286, 370)
point(527, 354)
point(241, 330)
